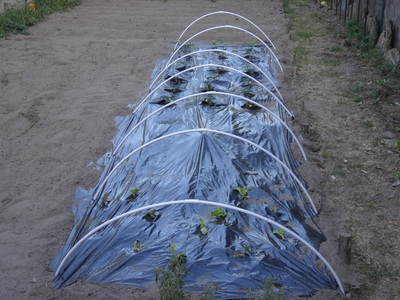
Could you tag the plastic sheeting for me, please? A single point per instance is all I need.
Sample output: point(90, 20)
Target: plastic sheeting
point(206, 166)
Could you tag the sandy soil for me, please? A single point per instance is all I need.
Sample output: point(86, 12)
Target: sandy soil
point(61, 88)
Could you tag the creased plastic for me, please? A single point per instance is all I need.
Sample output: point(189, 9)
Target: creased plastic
point(239, 252)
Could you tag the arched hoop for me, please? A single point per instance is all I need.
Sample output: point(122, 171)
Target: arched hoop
point(228, 13)
point(215, 66)
point(202, 202)
point(302, 187)
point(211, 93)
point(226, 26)
point(221, 51)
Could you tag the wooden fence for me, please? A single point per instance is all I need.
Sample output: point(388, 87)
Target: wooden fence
point(384, 12)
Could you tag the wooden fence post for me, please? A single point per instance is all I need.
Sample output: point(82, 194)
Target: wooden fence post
point(344, 250)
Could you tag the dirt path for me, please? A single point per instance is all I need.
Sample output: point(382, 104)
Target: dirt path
point(350, 116)
point(61, 88)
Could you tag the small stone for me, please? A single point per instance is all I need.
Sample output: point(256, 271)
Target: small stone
point(333, 177)
point(396, 184)
point(251, 173)
point(389, 135)
point(345, 161)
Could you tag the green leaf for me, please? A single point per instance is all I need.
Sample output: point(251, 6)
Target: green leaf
point(280, 233)
point(152, 213)
point(136, 246)
point(203, 227)
point(219, 213)
point(173, 247)
point(135, 192)
point(104, 199)
point(242, 191)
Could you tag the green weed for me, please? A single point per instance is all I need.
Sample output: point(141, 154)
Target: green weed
point(171, 282)
point(336, 49)
point(209, 291)
point(325, 154)
point(356, 37)
point(271, 291)
point(16, 19)
point(300, 56)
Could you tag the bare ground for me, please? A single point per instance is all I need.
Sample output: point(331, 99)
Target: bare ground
point(349, 114)
point(62, 86)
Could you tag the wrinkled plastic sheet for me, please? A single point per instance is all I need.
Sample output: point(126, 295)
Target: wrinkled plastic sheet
point(205, 166)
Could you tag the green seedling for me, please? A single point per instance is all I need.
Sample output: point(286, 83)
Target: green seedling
point(242, 191)
point(219, 213)
point(248, 94)
point(174, 89)
point(219, 71)
point(251, 72)
point(208, 87)
point(152, 213)
point(249, 47)
point(151, 216)
point(246, 81)
point(163, 100)
point(104, 199)
point(398, 145)
point(279, 233)
point(241, 253)
point(135, 192)
point(398, 174)
point(186, 48)
point(182, 66)
point(203, 227)
point(137, 246)
point(274, 209)
point(222, 56)
point(208, 101)
point(250, 106)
